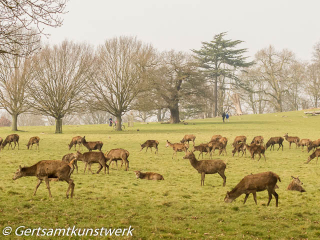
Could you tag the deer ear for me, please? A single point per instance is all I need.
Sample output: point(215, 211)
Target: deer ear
point(20, 167)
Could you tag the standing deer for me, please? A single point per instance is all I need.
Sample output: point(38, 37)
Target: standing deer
point(188, 138)
point(177, 147)
point(33, 140)
point(118, 154)
point(291, 140)
point(275, 140)
point(92, 145)
point(150, 144)
point(75, 141)
point(9, 139)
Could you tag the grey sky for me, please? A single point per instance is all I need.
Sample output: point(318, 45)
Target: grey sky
point(184, 24)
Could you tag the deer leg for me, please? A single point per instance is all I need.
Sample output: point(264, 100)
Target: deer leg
point(75, 164)
point(203, 175)
point(71, 186)
point(147, 149)
point(245, 198)
point(259, 156)
point(270, 197)
point(48, 186)
point(264, 157)
point(100, 168)
point(255, 197)
point(39, 182)
point(276, 196)
point(223, 177)
point(85, 167)
point(289, 145)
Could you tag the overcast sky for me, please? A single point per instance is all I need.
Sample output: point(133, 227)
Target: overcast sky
point(183, 24)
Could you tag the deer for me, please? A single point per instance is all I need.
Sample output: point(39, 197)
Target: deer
point(207, 167)
point(48, 170)
point(150, 144)
point(118, 154)
point(33, 140)
point(149, 175)
point(204, 147)
point(256, 149)
point(296, 185)
point(216, 145)
point(1, 141)
point(275, 140)
point(291, 140)
point(9, 139)
point(72, 157)
point(316, 153)
point(92, 145)
point(239, 139)
point(255, 183)
point(94, 157)
point(257, 140)
point(304, 142)
point(224, 142)
point(177, 147)
point(75, 141)
point(188, 138)
point(314, 145)
point(240, 147)
point(215, 138)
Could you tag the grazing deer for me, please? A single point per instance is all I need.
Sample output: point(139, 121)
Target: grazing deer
point(314, 145)
point(316, 153)
point(72, 157)
point(295, 140)
point(275, 140)
point(239, 139)
point(207, 167)
point(92, 145)
point(149, 175)
point(177, 147)
point(215, 138)
point(9, 139)
point(256, 149)
point(74, 141)
point(257, 140)
point(204, 147)
point(48, 170)
point(150, 144)
point(304, 142)
point(240, 147)
point(33, 140)
point(94, 157)
point(188, 138)
point(118, 154)
point(255, 183)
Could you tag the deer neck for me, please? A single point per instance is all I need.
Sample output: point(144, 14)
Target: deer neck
point(194, 162)
point(30, 171)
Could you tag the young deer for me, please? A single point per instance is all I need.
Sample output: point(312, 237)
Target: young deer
point(92, 145)
point(177, 147)
point(149, 175)
point(9, 139)
point(291, 140)
point(33, 140)
point(75, 141)
point(118, 154)
point(150, 144)
point(275, 140)
point(188, 138)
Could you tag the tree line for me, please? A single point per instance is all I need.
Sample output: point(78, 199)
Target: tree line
point(124, 74)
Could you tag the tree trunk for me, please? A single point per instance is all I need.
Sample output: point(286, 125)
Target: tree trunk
point(159, 115)
point(58, 125)
point(215, 113)
point(14, 122)
point(119, 123)
point(174, 111)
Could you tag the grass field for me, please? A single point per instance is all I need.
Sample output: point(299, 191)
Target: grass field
point(178, 207)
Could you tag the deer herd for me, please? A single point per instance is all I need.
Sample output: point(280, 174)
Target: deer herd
point(61, 170)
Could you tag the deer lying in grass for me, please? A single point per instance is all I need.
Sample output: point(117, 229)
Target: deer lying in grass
point(48, 170)
point(75, 141)
point(207, 167)
point(149, 175)
point(255, 183)
point(240, 147)
point(118, 154)
point(239, 139)
point(296, 185)
point(316, 153)
point(33, 140)
point(314, 145)
point(275, 140)
point(291, 140)
point(72, 157)
point(9, 139)
point(256, 149)
point(188, 138)
point(204, 147)
point(177, 147)
point(94, 157)
point(92, 145)
point(150, 144)
point(304, 142)
point(257, 140)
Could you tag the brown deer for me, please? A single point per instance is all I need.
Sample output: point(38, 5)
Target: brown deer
point(215, 138)
point(33, 140)
point(74, 141)
point(177, 147)
point(316, 153)
point(150, 144)
point(207, 167)
point(92, 145)
point(149, 175)
point(215, 145)
point(314, 145)
point(224, 142)
point(291, 140)
point(296, 185)
point(257, 140)
point(275, 140)
point(204, 147)
point(118, 154)
point(240, 147)
point(48, 170)
point(94, 157)
point(72, 157)
point(9, 139)
point(188, 138)
point(1, 140)
point(239, 139)
point(255, 183)
point(256, 149)
point(304, 142)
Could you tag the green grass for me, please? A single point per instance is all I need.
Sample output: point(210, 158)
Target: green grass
point(178, 207)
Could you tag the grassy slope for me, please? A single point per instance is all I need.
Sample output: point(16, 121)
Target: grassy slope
point(177, 207)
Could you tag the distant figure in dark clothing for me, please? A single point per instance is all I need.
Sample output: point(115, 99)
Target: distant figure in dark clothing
point(223, 116)
point(227, 117)
point(110, 122)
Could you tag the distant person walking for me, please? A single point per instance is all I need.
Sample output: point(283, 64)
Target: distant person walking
point(110, 122)
point(223, 116)
point(227, 117)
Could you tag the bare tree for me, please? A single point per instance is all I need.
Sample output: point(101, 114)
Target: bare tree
point(60, 74)
point(120, 72)
point(19, 15)
point(312, 84)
